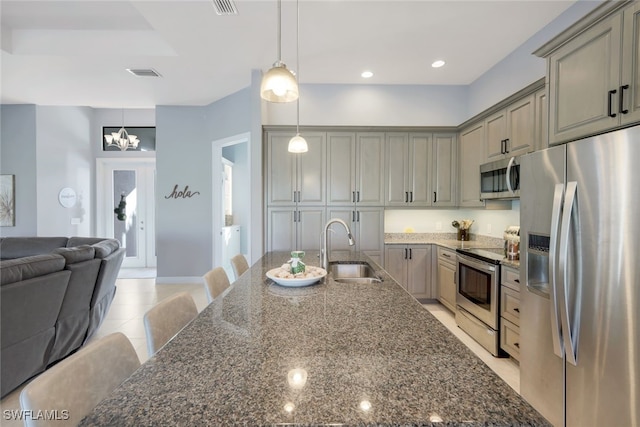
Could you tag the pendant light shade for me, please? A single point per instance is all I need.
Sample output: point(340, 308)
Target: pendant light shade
point(298, 144)
point(279, 84)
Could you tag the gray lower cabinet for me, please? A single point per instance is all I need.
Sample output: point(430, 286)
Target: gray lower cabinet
point(510, 311)
point(294, 228)
point(410, 266)
point(367, 226)
point(447, 277)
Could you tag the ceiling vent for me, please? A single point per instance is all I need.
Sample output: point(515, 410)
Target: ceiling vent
point(225, 7)
point(144, 72)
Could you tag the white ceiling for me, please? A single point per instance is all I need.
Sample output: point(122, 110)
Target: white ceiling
point(76, 52)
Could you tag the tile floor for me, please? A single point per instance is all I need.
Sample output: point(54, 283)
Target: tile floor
point(135, 296)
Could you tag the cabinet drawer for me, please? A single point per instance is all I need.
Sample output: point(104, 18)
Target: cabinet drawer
point(511, 278)
point(447, 255)
point(510, 304)
point(510, 338)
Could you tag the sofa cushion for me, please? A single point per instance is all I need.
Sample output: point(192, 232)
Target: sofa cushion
point(106, 248)
point(76, 254)
point(18, 247)
point(16, 270)
point(79, 241)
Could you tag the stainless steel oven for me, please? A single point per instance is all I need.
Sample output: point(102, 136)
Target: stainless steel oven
point(478, 295)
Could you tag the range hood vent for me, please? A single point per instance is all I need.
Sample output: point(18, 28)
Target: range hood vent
point(144, 72)
point(225, 7)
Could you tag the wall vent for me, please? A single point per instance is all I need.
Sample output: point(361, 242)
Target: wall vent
point(144, 72)
point(225, 7)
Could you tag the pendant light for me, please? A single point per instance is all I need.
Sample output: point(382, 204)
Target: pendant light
point(279, 84)
point(298, 144)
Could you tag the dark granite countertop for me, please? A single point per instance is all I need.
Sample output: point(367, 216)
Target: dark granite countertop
point(371, 353)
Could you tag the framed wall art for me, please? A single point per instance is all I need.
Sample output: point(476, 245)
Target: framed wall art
point(7, 201)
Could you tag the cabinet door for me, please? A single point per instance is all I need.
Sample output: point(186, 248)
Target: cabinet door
point(281, 169)
point(420, 170)
point(419, 271)
point(496, 133)
point(370, 230)
point(395, 263)
point(445, 161)
point(471, 154)
point(341, 168)
point(631, 64)
point(447, 285)
point(520, 126)
point(309, 225)
point(281, 229)
point(581, 74)
point(370, 169)
point(541, 120)
point(397, 168)
point(312, 170)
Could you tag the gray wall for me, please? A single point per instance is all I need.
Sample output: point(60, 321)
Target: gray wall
point(18, 157)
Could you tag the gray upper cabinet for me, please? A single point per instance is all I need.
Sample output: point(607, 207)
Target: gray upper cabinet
point(541, 121)
point(355, 168)
point(444, 171)
point(471, 156)
point(510, 132)
point(420, 169)
point(296, 178)
point(593, 74)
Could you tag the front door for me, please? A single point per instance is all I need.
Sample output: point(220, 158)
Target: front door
point(131, 182)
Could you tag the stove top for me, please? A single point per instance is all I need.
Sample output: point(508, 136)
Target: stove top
point(490, 255)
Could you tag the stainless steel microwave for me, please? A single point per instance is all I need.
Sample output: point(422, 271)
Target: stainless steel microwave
point(500, 179)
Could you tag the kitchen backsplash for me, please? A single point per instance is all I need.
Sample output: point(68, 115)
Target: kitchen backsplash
point(490, 223)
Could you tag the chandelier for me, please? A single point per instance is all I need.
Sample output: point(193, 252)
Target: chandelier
point(122, 139)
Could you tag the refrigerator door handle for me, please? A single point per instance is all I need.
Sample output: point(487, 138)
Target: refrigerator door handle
point(509, 186)
point(570, 332)
point(556, 336)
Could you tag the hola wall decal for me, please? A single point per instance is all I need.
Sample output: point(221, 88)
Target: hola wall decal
point(182, 194)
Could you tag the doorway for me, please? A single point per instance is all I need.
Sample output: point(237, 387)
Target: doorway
point(231, 199)
point(129, 183)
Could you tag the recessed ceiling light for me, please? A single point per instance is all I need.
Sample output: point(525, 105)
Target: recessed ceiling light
point(437, 64)
point(366, 74)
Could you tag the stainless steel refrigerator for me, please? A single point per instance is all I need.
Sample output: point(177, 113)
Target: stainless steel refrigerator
point(580, 278)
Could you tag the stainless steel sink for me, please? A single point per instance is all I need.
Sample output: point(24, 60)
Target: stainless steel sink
point(353, 273)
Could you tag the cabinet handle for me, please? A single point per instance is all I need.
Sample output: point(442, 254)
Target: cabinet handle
point(410, 253)
point(358, 194)
point(411, 196)
point(502, 146)
point(299, 196)
point(609, 102)
point(517, 344)
point(294, 196)
point(434, 197)
point(358, 217)
point(406, 196)
point(621, 102)
point(517, 310)
point(446, 255)
point(405, 253)
point(353, 216)
point(506, 146)
point(516, 280)
point(353, 196)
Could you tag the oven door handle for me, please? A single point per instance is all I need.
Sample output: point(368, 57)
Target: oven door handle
point(478, 265)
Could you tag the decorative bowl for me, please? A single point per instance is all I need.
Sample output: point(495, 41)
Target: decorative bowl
point(294, 283)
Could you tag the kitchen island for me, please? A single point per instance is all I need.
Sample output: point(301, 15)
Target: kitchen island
point(330, 353)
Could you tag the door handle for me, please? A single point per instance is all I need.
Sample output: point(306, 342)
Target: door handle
point(609, 102)
point(621, 101)
point(570, 330)
point(554, 308)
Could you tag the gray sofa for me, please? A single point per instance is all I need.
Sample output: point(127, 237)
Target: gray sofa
point(54, 294)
